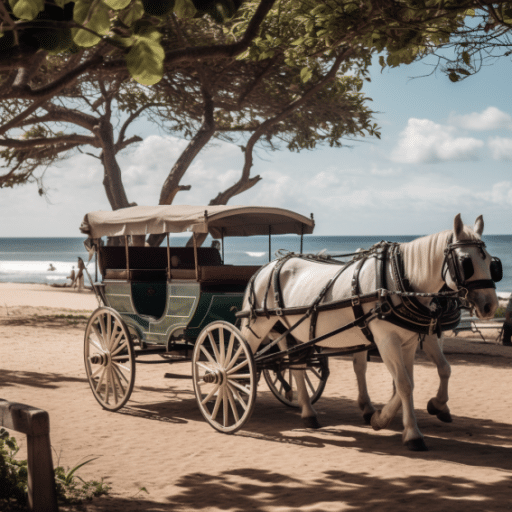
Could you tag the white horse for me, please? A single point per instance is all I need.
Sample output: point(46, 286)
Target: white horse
point(428, 263)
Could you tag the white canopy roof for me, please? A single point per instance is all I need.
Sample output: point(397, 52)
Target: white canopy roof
point(216, 220)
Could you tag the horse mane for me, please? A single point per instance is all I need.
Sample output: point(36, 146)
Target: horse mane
point(423, 258)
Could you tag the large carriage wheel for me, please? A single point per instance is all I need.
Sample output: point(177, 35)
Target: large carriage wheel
point(224, 375)
point(284, 388)
point(109, 358)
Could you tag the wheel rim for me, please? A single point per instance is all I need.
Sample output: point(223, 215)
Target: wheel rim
point(224, 376)
point(316, 378)
point(109, 359)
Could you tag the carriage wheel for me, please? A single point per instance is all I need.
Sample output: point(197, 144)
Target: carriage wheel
point(109, 358)
point(224, 375)
point(283, 386)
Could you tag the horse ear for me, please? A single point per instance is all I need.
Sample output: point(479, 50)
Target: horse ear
point(458, 226)
point(479, 225)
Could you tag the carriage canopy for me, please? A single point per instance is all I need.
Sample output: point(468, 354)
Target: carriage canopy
point(218, 221)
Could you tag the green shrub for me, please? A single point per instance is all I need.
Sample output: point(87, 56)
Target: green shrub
point(71, 489)
point(500, 312)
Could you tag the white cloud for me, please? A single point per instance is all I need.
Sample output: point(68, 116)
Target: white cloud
point(424, 141)
point(489, 119)
point(501, 148)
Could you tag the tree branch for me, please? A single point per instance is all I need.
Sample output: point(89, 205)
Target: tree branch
point(43, 141)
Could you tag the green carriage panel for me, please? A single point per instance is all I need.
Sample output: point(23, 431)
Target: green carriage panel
point(214, 306)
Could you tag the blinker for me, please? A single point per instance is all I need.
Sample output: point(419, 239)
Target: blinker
point(496, 269)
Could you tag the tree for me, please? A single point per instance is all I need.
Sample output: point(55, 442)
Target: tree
point(268, 97)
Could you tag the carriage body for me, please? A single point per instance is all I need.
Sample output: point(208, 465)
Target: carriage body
point(162, 307)
point(179, 303)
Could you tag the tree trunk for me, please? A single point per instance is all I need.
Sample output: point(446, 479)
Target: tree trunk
point(172, 185)
point(112, 182)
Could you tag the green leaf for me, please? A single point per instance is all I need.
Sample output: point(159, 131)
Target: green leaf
point(95, 17)
point(382, 61)
point(145, 60)
point(134, 13)
point(26, 9)
point(184, 9)
point(465, 58)
point(117, 5)
point(305, 74)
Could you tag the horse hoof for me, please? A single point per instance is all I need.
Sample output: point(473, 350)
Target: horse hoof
point(374, 419)
point(432, 409)
point(368, 418)
point(416, 445)
point(311, 422)
point(444, 416)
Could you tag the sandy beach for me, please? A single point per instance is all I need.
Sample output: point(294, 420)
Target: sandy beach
point(160, 442)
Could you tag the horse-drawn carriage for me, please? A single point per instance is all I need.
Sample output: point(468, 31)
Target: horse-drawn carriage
point(185, 303)
point(180, 303)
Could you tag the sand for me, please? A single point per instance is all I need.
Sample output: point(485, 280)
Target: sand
point(160, 442)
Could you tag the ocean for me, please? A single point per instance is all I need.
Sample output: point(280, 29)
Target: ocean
point(27, 260)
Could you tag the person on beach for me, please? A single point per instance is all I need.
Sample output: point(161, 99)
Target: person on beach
point(72, 276)
point(79, 280)
point(507, 324)
point(51, 267)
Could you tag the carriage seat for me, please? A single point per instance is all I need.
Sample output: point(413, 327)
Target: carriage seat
point(150, 263)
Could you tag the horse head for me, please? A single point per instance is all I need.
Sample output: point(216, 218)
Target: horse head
point(470, 269)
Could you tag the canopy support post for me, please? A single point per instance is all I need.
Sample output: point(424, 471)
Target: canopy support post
point(222, 237)
point(168, 258)
point(195, 257)
point(269, 242)
point(97, 254)
point(127, 256)
point(301, 238)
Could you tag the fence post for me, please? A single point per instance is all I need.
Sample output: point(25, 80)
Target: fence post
point(35, 424)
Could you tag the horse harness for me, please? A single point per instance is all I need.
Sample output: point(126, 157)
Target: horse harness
point(443, 314)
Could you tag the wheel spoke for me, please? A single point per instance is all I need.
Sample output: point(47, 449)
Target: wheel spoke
point(99, 336)
point(214, 346)
point(107, 384)
point(108, 336)
point(95, 343)
point(114, 340)
point(225, 407)
point(119, 368)
point(230, 347)
point(207, 354)
point(240, 387)
point(210, 394)
point(238, 367)
point(317, 375)
point(114, 387)
point(237, 396)
point(218, 401)
point(240, 376)
point(100, 380)
point(233, 404)
point(204, 367)
point(102, 330)
point(221, 346)
point(116, 374)
point(120, 348)
point(311, 387)
point(234, 358)
point(95, 373)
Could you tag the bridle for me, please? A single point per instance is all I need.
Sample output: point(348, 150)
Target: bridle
point(461, 268)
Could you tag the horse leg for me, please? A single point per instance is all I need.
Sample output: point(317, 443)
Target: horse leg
point(308, 414)
point(437, 406)
point(399, 359)
point(360, 363)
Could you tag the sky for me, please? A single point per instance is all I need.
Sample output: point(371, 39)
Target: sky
point(446, 148)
